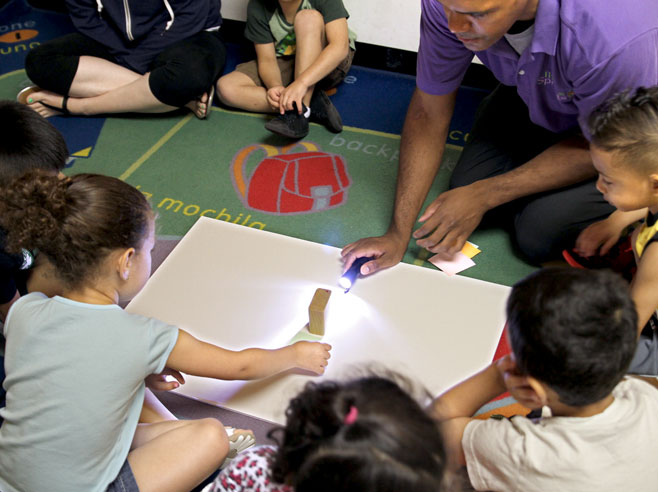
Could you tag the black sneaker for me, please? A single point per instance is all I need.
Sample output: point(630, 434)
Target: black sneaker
point(324, 112)
point(290, 124)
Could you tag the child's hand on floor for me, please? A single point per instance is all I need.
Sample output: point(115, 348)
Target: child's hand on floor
point(159, 382)
point(312, 356)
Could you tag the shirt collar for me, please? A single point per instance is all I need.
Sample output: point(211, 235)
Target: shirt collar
point(545, 38)
point(547, 27)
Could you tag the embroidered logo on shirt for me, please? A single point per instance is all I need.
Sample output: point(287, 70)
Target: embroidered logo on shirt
point(565, 96)
point(545, 79)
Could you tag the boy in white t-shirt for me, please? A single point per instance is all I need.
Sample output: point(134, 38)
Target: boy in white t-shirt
point(572, 334)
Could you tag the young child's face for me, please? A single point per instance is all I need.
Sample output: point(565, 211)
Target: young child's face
point(622, 187)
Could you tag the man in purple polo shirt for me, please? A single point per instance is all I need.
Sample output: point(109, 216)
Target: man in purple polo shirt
point(527, 156)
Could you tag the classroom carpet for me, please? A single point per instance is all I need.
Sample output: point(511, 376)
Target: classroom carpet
point(328, 188)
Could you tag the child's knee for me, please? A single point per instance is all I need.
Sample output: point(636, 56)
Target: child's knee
point(213, 437)
point(227, 89)
point(309, 19)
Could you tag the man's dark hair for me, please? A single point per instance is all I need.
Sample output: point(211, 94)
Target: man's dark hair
point(28, 141)
point(574, 330)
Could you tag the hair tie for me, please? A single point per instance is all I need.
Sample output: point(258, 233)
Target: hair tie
point(351, 416)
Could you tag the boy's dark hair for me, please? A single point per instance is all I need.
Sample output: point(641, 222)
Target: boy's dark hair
point(574, 330)
point(628, 125)
point(75, 222)
point(28, 141)
point(392, 445)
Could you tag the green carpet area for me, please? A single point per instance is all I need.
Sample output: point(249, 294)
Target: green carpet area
point(331, 189)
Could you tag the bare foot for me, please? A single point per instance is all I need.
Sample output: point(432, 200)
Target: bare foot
point(199, 107)
point(51, 101)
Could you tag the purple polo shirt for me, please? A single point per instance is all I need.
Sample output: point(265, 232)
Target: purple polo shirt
point(582, 53)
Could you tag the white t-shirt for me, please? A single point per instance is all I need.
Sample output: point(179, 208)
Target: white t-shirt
point(75, 390)
point(616, 450)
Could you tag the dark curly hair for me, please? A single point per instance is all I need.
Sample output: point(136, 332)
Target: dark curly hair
point(627, 124)
point(28, 141)
point(75, 222)
point(392, 445)
point(574, 330)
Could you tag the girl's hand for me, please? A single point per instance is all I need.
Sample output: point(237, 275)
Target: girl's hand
point(158, 382)
point(312, 356)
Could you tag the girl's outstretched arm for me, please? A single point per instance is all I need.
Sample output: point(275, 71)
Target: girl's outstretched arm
point(192, 356)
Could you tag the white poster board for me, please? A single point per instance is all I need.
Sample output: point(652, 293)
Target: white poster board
point(239, 287)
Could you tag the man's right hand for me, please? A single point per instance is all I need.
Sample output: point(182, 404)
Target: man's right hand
point(387, 250)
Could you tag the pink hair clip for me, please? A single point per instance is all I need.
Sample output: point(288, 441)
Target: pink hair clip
point(351, 416)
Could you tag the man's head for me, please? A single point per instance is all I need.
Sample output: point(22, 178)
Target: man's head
point(624, 148)
point(28, 141)
point(573, 330)
point(481, 23)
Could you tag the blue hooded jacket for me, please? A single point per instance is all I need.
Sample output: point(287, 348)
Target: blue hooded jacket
point(136, 31)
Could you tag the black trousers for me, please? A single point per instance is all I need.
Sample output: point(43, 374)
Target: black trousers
point(503, 138)
point(179, 74)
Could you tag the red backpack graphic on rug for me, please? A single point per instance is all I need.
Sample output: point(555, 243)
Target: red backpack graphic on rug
point(291, 183)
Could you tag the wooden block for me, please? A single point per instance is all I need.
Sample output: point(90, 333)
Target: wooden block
point(316, 311)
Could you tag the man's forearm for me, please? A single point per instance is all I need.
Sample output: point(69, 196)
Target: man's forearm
point(563, 164)
point(421, 150)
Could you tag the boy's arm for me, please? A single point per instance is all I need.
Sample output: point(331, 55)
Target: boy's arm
point(455, 407)
point(192, 356)
point(599, 237)
point(644, 288)
point(268, 69)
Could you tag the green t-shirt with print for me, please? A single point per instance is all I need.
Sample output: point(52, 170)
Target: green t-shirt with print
point(267, 24)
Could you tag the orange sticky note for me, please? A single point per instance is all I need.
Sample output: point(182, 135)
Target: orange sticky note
point(470, 249)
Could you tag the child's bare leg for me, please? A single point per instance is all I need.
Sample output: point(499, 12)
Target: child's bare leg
point(153, 410)
point(177, 455)
point(100, 87)
point(309, 31)
point(238, 90)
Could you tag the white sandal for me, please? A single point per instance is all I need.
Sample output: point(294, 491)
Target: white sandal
point(237, 443)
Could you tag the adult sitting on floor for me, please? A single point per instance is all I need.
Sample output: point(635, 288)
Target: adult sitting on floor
point(147, 56)
point(556, 60)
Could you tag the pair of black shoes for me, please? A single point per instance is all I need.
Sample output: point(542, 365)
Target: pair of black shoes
point(291, 124)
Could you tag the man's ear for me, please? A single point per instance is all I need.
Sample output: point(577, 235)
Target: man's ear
point(538, 392)
point(124, 263)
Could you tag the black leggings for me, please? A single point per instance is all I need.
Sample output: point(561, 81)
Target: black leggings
point(503, 138)
point(180, 73)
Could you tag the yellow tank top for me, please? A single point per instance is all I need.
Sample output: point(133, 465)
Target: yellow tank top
point(647, 234)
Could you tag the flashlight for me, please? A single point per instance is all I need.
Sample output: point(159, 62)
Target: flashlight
point(350, 276)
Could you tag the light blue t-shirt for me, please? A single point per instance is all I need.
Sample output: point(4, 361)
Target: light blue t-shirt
point(75, 390)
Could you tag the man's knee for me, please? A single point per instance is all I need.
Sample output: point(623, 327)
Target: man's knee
point(542, 234)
